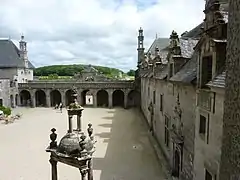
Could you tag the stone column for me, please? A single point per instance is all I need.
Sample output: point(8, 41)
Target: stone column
point(19, 100)
point(63, 98)
point(90, 170)
point(83, 174)
point(125, 99)
point(54, 169)
point(94, 99)
point(110, 101)
point(79, 97)
point(14, 103)
point(33, 100)
point(79, 126)
point(48, 99)
point(70, 130)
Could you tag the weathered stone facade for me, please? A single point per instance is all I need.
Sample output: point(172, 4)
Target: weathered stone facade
point(8, 93)
point(182, 95)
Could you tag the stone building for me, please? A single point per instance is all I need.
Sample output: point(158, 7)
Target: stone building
point(14, 63)
point(14, 68)
point(182, 94)
point(211, 50)
point(8, 97)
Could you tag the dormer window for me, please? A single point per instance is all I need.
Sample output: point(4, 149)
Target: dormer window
point(206, 70)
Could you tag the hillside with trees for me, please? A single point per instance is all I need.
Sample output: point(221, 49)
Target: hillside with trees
point(55, 71)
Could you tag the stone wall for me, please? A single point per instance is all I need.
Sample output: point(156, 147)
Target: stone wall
point(169, 92)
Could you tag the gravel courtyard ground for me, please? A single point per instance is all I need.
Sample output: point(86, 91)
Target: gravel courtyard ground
point(123, 148)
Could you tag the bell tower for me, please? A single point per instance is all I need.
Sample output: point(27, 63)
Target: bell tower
point(140, 45)
point(23, 51)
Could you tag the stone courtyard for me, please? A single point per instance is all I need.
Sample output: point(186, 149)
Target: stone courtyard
point(123, 149)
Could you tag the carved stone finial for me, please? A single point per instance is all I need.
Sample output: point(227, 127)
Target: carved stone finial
point(90, 130)
point(82, 143)
point(53, 138)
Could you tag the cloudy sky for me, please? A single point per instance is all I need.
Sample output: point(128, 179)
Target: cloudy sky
point(99, 32)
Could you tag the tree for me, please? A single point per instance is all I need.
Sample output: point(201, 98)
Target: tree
point(230, 155)
point(131, 72)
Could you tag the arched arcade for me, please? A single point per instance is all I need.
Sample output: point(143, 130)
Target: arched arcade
point(118, 98)
point(102, 98)
point(25, 98)
point(40, 98)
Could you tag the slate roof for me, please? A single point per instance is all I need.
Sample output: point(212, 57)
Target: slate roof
point(89, 69)
point(9, 55)
point(162, 72)
point(161, 43)
point(188, 72)
point(218, 81)
point(163, 54)
point(195, 33)
point(187, 46)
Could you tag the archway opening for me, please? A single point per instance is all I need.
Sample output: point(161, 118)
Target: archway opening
point(84, 97)
point(102, 98)
point(55, 97)
point(176, 171)
point(25, 98)
point(118, 98)
point(11, 101)
point(40, 98)
point(68, 97)
point(133, 99)
point(16, 99)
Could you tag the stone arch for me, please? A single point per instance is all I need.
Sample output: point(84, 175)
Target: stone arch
point(102, 98)
point(25, 98)
point(68, 97)
point(133, 99)
point(40, 98)
point(118, 98)
point(16, 99)
point(55, 97)
point(83, 96)
point(11, 101)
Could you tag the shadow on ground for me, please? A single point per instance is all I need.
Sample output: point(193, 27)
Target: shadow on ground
point(128, 155)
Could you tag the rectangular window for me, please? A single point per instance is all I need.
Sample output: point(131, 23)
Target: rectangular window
point(148, 91)
point(161, 102)
point(208, 176)
point(154, 97)
point(1, 102)
point(202, 126)
point(167, 133)
point(206, 75)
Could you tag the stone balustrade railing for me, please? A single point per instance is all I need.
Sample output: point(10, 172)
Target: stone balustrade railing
point(82, 85)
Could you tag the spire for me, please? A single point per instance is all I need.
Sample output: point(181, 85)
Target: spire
point(156, 35)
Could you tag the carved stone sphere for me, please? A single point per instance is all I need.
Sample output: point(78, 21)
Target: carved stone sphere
point(70, 143)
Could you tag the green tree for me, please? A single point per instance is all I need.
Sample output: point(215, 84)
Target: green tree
point(131, 72)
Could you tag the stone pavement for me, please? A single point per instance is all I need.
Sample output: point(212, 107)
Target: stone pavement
point(123, 149)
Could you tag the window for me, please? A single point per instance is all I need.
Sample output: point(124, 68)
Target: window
point(206, 75)
point(167, 133)
point(202, 126)
point(148, 91)
point(21, 72)
point(154, 97)
point(161, 102)
point(1, 102)
point(208, 176)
